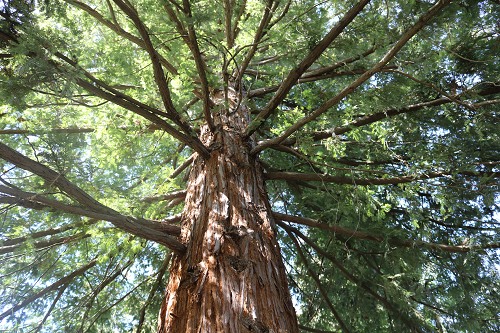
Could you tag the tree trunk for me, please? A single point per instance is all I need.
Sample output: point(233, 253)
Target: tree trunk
point(232, 278)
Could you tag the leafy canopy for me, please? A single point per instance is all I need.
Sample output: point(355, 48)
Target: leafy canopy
point(398, 174)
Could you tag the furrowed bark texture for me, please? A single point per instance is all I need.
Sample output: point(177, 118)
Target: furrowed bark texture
point(232, 278)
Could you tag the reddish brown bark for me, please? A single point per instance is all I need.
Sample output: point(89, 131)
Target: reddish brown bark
point(232, 278)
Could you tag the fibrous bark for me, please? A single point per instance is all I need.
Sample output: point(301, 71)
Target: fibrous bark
point(232, 278)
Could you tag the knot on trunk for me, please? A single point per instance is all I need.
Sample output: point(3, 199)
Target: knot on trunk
point(253, 325)
point(237, 263)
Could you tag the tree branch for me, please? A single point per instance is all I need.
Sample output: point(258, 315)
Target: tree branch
point(266, 17)
point(147, 229)
point(228, 15)
point(159, 75)
point(316, 280)
point(322, 73)
point(46, 243)
point(54, 302)
point(371, 118)
point(153, 291)
point(168, 196)
point(193, 142)
point(351, 87)
point(136, 226)
point(54, 286)
point(235, 29)
point(200, 67)
point(48, 232)
point(308, 329)
point(351, 277)
point(381, 238)
point(116, 28)
point(100, 287)
point(134, 106)
point(294, 74)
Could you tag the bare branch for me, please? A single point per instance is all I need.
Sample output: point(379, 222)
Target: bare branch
point(194, 143)
point(295, 74)
point(351, 87)
point(228, 15)
point(137, 226)
point(54, 178)
point(200, 67)
point(282, 15)
point(13, 201)
point(182, 167)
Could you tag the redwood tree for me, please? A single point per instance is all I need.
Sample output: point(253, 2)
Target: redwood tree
point(249, 166)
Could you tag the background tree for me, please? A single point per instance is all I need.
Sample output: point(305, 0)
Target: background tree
point(376, 125)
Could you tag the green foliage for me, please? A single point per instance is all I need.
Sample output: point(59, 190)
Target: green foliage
point(120, 158)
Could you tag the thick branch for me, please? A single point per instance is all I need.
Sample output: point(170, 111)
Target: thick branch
point(53, 178)
point(168, 196)
point(200, 67)
point(294, 74)
point(194, 143)
point(236, 29)
point(133, 105)
point(266, 18)
point(136, 226)
point(228, 15)
point(147, 229)
point(182, 167)
point(13, 201)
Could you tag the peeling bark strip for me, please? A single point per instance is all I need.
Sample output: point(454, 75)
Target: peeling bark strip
point(232, 278)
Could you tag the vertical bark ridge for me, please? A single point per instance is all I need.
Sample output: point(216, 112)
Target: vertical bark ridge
point(232, 278)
